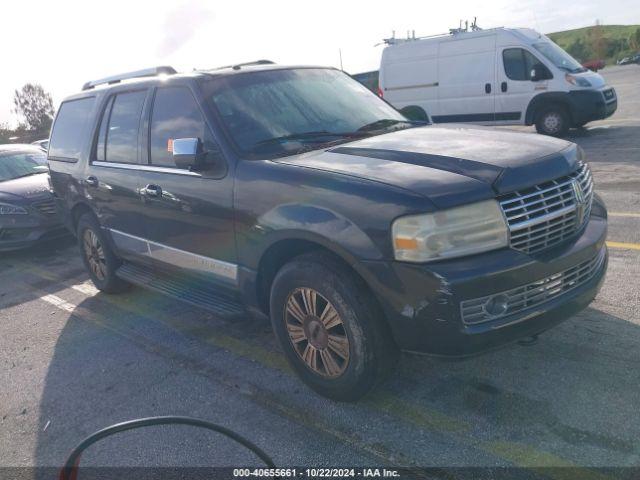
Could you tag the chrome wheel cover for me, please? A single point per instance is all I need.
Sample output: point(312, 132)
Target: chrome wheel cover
point(316, 332)
point(94, 253)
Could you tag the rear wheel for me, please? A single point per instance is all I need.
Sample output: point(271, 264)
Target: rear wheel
point(327, 324)
point(98, 257)
point(553, 120)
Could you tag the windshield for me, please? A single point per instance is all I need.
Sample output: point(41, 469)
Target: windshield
point(559, 57)
point(280, 112)
point(15, 165)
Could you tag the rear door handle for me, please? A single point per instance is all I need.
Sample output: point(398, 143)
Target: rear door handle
point(487, 88)
point(503, 86)
point(152, 190)
point(92, 181)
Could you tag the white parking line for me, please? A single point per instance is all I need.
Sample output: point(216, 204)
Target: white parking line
point(59, 303)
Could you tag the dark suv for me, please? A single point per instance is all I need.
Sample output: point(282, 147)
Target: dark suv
point(297, 192)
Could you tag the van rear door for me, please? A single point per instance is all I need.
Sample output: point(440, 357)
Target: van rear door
point(466, 83)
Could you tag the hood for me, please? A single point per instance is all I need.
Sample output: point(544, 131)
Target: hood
point(33, 187)
point(450, 165)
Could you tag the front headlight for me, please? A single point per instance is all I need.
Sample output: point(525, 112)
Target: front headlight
point(8, 209)
point(455, 232)
point(579, 81)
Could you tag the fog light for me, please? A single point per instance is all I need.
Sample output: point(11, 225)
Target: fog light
point(497, 305)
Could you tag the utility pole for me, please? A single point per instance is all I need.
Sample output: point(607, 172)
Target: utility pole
point(340, 52)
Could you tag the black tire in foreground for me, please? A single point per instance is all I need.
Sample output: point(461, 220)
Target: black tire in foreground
point(98, 257)
point(330, 327)
point(553, 120)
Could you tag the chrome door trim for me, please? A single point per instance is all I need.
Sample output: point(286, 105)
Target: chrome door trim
point(146, 168)
point(178, 258)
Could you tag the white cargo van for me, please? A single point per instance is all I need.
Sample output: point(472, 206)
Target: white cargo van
point(499, 76)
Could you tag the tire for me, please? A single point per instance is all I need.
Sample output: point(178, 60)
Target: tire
point(98, 258)
point(347, 345)
point(553, 121)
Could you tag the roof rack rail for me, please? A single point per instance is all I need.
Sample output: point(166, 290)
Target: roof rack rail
point(238, 66)
point(147, 72)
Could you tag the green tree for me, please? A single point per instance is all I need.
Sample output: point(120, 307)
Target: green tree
point(35, 106)
point(578, 49)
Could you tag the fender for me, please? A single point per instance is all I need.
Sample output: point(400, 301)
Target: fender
point(315, 224)
point(545, 98)
point(288, 225)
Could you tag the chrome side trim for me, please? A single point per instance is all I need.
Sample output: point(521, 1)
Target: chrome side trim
point(174, 256)
point(146, 168)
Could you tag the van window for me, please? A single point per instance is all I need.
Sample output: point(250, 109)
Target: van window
point(518, 64)
point(70, 127)
point(175, 115)
point(121, 135)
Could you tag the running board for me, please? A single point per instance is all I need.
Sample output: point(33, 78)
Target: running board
point(191, 291)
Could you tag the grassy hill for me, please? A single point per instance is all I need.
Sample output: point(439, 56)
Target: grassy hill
point(609, 42)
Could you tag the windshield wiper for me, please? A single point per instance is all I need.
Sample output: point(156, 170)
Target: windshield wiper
point(309, 136)
point(386, 123)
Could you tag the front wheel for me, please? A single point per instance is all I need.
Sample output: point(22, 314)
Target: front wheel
point(329, 328)
point(553, 121)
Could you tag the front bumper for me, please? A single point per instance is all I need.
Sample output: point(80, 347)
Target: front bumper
point(588, 105)
point(21, 231)
point(422, 302)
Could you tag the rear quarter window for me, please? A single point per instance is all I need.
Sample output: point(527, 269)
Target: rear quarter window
point(70, 128)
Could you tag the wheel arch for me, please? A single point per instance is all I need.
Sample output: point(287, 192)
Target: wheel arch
point(542, 100)
point(76, 212)
point(283, 250)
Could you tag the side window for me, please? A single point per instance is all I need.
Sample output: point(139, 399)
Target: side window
point(118, 136)
point(518, 64)
point(531, 62)
point(69, 130)
point(175, 115)
point(514, 65)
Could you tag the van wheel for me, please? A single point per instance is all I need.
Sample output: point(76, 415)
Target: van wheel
point(413, 112)
point(329, 328)
point(98, 257)
point(553, 121)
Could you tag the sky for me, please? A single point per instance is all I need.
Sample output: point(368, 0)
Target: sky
point(63, 43)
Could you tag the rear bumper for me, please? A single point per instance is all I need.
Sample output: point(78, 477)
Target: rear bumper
point(589, 105)
point(422, 302)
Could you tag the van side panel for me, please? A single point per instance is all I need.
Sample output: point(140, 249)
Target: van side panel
point(466, 90)
point(409, 75)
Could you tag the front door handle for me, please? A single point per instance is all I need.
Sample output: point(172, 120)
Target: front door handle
point(152, 190)
point(487, 88)
point(92, 181)
point(503, 86)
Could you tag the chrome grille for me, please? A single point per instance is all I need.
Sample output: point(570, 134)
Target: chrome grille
point(533, 294)
point(546, 214)
point(46, 207)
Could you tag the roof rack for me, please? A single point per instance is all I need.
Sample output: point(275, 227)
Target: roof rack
point(147, 72)
point(238, 66)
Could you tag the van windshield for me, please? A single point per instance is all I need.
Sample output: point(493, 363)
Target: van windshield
point(559, 57)
point(283, 112)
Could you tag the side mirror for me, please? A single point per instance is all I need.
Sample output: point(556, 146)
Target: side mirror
point(187, 153)
point(190, 154)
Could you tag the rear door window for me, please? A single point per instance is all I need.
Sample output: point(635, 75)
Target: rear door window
point(119, 128)
point(69, 131)
point(175, 115)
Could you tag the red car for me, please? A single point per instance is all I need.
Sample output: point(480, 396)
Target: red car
point(594, 65)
